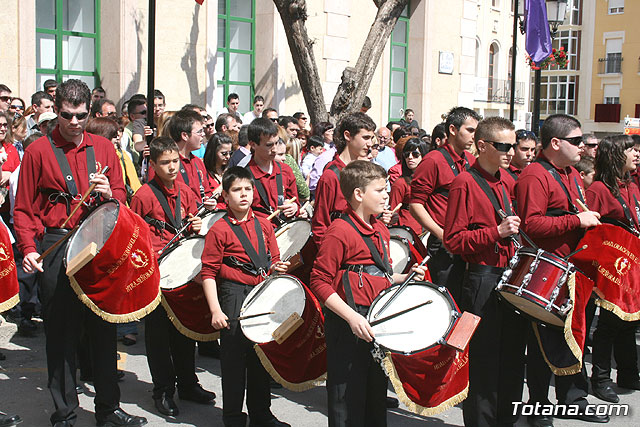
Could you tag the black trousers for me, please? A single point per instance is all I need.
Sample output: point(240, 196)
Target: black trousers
point(496, 353)
point(240, 364)
point(445, 268)
point(170, 355)
point(65, 319)
point(613, 333)
point(356, 383)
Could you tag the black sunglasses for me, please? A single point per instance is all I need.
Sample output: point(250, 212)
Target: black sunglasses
point(274, 119)
point(143, 112)
point(575, 140)
point(591, 145)
point(415, 154)
point(68, 116)
point(5, 98)
point(503, 147)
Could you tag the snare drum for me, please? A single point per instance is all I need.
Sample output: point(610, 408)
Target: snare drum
point(408, 234)
point(210, 218)
point(292, 237)
point(182, 294)
point(535, 283)
point(417, 330)
point(401, 256)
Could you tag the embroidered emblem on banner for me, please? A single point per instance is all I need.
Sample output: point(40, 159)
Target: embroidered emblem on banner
point(139, 259)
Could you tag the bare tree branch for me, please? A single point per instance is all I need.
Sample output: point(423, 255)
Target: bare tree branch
point(378, 3)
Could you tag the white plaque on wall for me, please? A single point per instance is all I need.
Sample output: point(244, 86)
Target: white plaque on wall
point(445, 65)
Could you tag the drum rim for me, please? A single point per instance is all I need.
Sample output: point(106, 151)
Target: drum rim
point(275, 230)
point(403, 227)
point(554, 259)
point(407, 244)
point(177, 244)
point(452, 321)
point(104, 202)
point(529, 316)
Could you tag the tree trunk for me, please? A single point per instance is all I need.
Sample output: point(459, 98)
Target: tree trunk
point(294, 15)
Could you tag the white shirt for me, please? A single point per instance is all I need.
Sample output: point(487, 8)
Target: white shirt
point(249, 117)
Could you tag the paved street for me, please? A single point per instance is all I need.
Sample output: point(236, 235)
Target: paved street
point(23, 389)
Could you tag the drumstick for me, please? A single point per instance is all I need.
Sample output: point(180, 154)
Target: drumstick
point(201, 207)
point(400, 313)
point(277, 211)
point(396, 209)
point(582, 248)
point(263, 285)
point(251, 316)
point(84, 197)
point(582, 206)
point(280, 232)
point(401, 288)
point(56, 244)
point(517, 244)
point(303, 207)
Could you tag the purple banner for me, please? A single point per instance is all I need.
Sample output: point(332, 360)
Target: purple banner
point(538, 37)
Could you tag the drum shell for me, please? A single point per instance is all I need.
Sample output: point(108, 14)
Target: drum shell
point(188, 310)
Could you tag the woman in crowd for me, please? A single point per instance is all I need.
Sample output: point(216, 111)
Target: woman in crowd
point(216, 158)
point(19, 133)
point(325, 130)
point(16, 107)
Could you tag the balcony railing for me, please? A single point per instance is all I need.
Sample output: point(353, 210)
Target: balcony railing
point(497, 90)
point(609, 113)
point(610, 65)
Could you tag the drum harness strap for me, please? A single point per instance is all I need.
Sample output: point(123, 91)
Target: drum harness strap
point(512, 173)
point(263, 193)
point(627, 212)
point(333, 168)
point(175, 218)
point(381, 268)
point(454, 168)
point(554, 173)
point(185, 177)
point(260, 260)
point(56, 196)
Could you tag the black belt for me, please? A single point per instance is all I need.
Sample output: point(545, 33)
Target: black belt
point(59, 231)
point(484, 269)
point(233, 282)
point(372, 269)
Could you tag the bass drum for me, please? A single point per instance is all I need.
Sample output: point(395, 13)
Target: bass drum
point(210, 218)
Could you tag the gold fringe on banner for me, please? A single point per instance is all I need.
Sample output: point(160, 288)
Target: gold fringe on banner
point(183, 329)
point(411, 405)
point(10, 303)
point(609, 306)
point(307, 385)
point(114, 318)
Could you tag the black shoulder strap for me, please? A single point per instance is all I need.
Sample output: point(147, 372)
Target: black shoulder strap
point(335, 170)
point(512, 173)
point(183, 172)
point(486, 189)
point(262, 192)
point(176, 217)
point(554, 173)
point(449, 159)
point(279, 186)
point(259, 259)
point(637, 206)
point(382, 263)
point(63, 163)
point(627, 211)
point(199, 173)
point(579, 189)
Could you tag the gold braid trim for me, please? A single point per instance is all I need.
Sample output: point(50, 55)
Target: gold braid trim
point(183, 329)
point(307, 385)
point(109, 317)
point(10, 303)
point(607, 305)
point(411, 405)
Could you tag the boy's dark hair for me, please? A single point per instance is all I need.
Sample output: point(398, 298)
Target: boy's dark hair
point(243, 136)
point(261, 126)
point(587, 164)
point(315, 141)
point(399, 133)
point(439, 132)
point(4, 88)
point(268, 110)
point(258, 98)
point(458, 115)
point(359, 174)
point(298, 115)
point(222, 121)
point(74, 92)
point(232, 96)
point(161, 145)
point(183, 121)
point(366, 103)
point(134, 104)
point(37, 97)
point(158, 95)
point(557, 126)
point(99, 89)
point(192, 107)
point(352, 123)
point(285, 120)
point(232, 174)
point(49, 83)
point(488, 128)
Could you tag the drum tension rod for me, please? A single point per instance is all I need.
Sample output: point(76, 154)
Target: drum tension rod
point(400, 313)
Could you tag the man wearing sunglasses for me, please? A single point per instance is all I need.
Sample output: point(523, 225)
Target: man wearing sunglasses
point(41, 207)
point(5, 98)
point(546, 194)
point(525, 152)
point(590, 145)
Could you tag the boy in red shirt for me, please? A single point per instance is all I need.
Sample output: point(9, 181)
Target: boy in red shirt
point(229, 273)
point(356, 384)
point(164, 202)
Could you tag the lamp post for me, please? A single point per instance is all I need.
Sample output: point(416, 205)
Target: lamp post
point(556, 12)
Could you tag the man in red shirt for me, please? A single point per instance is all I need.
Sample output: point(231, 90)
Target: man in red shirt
point(524, 154)
point(545, 194)
point(55, 171)
point(165, 203)
point(274, 181)
point(430, 193)
point(353, 139)
point(478, 224)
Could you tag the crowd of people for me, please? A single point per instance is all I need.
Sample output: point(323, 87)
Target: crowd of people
point(472, 185)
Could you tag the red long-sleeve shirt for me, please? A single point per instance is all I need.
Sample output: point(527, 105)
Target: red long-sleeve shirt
point(145, 203)
point(269, 183)
point(196, 171)
point(401, 193)
point(40, 171)
point(433, 176)
point(471, 223)
point(537, 192)
point(329, 199)
point(601, 200)
point(221, 242)
point(342, 244)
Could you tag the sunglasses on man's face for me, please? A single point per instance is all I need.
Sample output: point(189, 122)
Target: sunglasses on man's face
point(274, 119)
point(503, 147)
point(5, 98)
point(575, 140)
point(68, 116)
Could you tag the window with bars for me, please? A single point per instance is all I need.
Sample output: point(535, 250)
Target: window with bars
point(399, 66)
point(235, 58)
point(68, 41)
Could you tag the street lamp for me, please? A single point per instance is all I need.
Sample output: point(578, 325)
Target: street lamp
point(556, 12)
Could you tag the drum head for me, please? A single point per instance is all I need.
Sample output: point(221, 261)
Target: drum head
point(400, 253)
point(209, 219)
point(284, 295)
point(292, 237)
point(418, 329)
point(96, 228)
point(181, 263)
point(403, 232)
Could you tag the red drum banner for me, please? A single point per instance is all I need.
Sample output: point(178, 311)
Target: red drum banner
point(8, 273)
point(189, 312)
point(300, 362)
point(612, 261)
